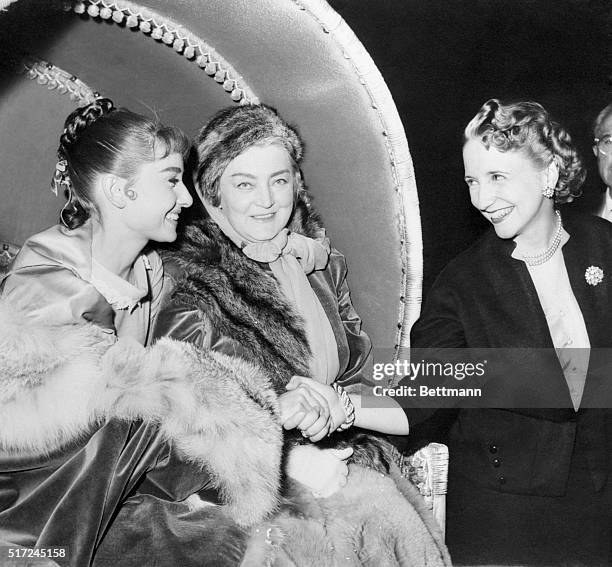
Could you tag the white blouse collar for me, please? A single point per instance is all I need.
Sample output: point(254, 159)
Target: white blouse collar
point(120, 293)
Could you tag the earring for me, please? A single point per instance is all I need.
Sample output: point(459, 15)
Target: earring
point(68, 203)
point(131, 194)
point(60, 176)
point(548, 192)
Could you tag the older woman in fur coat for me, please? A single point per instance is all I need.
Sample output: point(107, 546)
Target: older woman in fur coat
point(255, 278)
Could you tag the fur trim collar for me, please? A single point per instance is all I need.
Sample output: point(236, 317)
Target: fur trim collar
point(241, 298)
point(58, 384)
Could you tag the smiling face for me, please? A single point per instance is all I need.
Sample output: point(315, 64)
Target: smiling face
point(256, 191)
point(506, 187)
point(159, 197)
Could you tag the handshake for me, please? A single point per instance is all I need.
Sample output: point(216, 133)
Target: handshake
point(317, 411)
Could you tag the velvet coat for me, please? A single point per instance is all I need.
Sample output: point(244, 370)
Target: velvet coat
point(486, 299)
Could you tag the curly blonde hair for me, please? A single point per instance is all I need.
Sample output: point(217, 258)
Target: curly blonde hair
point(527, 127)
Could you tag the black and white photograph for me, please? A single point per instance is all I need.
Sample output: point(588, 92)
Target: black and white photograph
point(306, 283)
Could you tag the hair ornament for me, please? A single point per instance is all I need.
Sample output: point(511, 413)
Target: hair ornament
point(103, 106)
point(61, 180)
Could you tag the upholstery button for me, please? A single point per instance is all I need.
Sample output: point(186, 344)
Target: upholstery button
point(496, 463)
point(492, 448)
point(502, 480)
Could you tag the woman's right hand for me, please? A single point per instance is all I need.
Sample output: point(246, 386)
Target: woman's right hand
point(336, 407)
point(303, 405)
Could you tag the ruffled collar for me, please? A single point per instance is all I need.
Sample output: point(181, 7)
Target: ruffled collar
point(120, 293)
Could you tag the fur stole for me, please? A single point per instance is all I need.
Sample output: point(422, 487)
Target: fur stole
point(58, 384)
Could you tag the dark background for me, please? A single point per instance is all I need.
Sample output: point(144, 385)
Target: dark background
point(443, 58)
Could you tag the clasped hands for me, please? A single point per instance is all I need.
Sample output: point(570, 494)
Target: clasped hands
point(316, 410)
point(313, 408)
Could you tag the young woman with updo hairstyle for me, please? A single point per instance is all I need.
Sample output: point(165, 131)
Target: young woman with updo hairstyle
point(101, 439)
point(122, 174)
point(529, 482)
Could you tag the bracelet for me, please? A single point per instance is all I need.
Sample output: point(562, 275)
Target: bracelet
point(347, 404)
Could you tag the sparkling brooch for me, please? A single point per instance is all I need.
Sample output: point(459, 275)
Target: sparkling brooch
point(593, 275)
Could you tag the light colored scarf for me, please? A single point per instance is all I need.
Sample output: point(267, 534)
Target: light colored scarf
point(291, 258)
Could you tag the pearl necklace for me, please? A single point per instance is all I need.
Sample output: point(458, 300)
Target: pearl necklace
point(542, 258)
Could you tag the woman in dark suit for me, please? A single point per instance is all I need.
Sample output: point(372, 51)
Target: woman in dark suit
point(530, 485)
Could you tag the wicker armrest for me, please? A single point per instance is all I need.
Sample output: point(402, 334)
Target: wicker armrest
point(427, 469)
